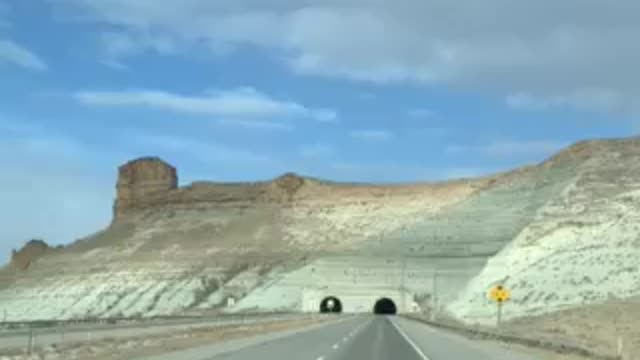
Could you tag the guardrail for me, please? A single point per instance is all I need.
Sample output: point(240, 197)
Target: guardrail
point(544, 344)
point(44, 323)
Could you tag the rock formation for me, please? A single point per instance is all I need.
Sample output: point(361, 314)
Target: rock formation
point(286, 186)
point(32, 250)
point(142, 179)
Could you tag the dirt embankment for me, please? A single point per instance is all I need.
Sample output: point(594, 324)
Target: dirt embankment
point(608, 329)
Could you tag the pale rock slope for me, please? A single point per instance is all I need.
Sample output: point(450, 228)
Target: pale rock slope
point(581, 247)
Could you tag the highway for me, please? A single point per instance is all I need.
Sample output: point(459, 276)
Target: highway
point(367, 337)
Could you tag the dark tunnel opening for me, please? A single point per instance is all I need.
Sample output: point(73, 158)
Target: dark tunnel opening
point(385, 306)
point(331, 304)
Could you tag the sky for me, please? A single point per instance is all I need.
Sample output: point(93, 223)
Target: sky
point(352, 90)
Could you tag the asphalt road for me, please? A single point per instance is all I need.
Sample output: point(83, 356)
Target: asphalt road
point(360, 338)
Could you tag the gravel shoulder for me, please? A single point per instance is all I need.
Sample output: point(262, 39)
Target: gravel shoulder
point(600, 328)
point(603, 331)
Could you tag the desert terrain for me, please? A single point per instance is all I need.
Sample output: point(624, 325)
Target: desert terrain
point(562, 236)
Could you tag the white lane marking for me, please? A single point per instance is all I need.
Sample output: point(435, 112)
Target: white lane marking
point(321, 358)
point(355, 331)
point(406, 337)
point(351, 334)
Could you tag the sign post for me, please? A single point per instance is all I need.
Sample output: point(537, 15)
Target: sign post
point(499, 295)
point(30, 343)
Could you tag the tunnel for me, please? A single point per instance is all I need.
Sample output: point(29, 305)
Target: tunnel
point(331, 304)
point(385, 306)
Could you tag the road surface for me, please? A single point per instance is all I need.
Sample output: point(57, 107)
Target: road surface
point(357, 338)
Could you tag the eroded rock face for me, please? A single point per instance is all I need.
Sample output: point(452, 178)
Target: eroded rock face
point(152, 184)
point(32, 250)
point(286, 186)
point(141, 179)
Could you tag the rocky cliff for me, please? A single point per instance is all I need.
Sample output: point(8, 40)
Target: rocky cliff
point(140, 180)
point(559, 233)
point(31, 251)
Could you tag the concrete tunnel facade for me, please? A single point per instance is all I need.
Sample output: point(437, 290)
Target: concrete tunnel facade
point(360, 281)
point(358, 301)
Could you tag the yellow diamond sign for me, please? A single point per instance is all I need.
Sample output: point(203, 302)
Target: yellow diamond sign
point(499, 294)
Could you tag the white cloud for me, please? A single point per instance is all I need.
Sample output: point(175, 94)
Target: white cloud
point(117, 45)
point(235, 103)
point(420, 113)
point(256, 124)
point(14, 54)
point(372, 134)
point(544, 48)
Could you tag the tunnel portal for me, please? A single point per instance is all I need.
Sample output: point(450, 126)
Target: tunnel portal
point(331, 304)
point(385, 306)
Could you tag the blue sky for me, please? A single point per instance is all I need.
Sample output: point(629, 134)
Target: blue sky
point(353, 90)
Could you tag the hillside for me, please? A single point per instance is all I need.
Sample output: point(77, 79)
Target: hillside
point(582, 246)
point(558, 234)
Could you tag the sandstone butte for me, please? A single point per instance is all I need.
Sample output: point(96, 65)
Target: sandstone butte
point(560, 234)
